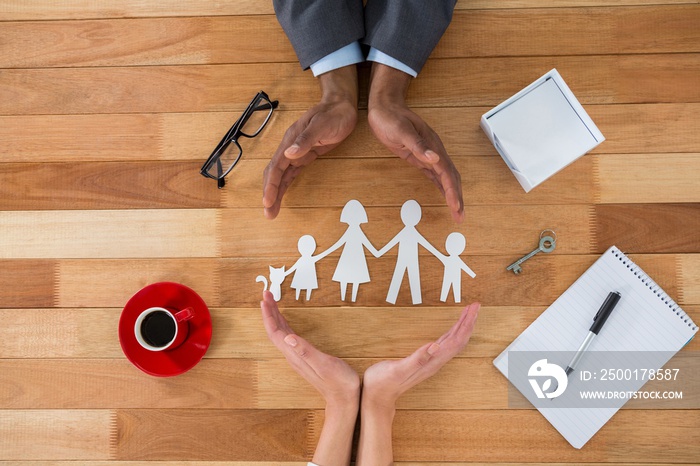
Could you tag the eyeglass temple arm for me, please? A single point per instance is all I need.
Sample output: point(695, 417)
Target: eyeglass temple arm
point(266, 106)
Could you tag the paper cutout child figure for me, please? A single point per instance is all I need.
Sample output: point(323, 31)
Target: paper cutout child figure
point(352, 265)
point(408, 240)
point(454, 265)
point(304, 268)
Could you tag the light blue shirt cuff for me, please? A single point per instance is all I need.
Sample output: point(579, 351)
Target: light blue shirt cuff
point(384, 59)
point(348, 55)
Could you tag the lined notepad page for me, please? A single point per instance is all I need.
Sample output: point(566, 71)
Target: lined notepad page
point(646, 319)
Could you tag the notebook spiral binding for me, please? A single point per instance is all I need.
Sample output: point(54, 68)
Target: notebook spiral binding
point(654, 287)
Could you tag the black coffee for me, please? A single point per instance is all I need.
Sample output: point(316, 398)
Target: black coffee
point(158, 329)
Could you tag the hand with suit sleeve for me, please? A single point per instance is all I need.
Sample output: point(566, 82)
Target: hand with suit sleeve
point(317, 132)
point(408, 136)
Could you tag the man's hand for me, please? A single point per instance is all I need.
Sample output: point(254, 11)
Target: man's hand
point(317, 132)
point(406, 134)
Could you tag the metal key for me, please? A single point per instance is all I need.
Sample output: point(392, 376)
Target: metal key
point(547, 244)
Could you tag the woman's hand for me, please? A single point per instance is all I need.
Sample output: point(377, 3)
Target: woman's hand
point(386, 381)
point(337, 382)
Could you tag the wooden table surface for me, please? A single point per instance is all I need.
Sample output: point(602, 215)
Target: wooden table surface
point(108, 109)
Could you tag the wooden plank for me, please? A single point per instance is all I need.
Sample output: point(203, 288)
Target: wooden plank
point(651, 178)
point(568, 31)
point(107, 383)
point(61, 333)
point(240, 228)
point(103, 234)
point(195, 434)
point(159, 185)
point(86, 138)
point(84, 9)
point(621, 79)
point(27, 283)
point(689, 278)
point(639, 228)
point(111, 283)
point(106, 185)
point(36, 434)
point(237, 333)
point(495, 436)
point(288, 463)
point(254, 39)
point(144, 41)
point(332, 182)
point(630, 129)
point(475, 435)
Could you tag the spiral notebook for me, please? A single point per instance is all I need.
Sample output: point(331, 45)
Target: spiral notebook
point(645, 320)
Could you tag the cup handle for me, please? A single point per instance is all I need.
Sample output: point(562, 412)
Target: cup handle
point(184, 315)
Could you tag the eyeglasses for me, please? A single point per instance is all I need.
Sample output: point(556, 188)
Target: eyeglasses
point(228, 152)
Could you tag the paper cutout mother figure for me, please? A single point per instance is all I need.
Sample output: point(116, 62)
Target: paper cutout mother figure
point(352, 265)
point(408, 240)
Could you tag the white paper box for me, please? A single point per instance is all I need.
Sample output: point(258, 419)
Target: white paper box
point(541, 130)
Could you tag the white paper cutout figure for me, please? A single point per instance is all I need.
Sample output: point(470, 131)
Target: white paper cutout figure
point(276, 278)
point(304, 268)
point(454, 265)
point(408, 240)
point(352, 265)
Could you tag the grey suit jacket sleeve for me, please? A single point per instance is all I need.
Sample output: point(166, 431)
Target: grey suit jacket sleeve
point(317, 28)
point(407, 30)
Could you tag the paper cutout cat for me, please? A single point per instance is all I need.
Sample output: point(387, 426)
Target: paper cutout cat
point(276, 278)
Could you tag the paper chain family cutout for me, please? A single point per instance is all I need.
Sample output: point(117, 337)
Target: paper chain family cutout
point(352, 265)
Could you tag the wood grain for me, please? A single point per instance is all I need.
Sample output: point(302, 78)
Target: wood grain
point(495, 436)
point(629, 129)
point(107, 111)
point(598, 79)
point(56, 434)
point(573, 222)
point(179, 434)
point(83, 9)
point(94, 234)
point(106, 185)
point(653, 178)
point(90, 333)
point(105, 384)
point(27, 283)
point(638, 228)
point(254, 39)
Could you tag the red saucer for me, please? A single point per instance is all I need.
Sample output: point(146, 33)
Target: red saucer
point(169, 362)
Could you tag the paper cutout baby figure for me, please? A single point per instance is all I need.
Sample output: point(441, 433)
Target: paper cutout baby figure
point(454, 265)
point(352, 265)
point(304, 268)
point(408, 240)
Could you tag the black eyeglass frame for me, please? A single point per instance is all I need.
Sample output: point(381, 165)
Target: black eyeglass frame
point(234, 133)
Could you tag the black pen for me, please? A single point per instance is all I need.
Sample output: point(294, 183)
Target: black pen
point(598, 322)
